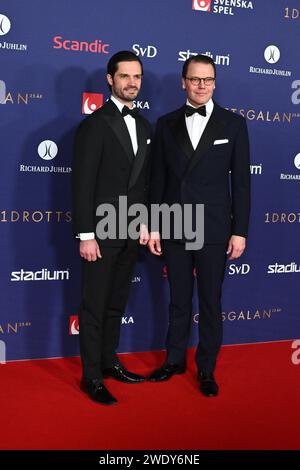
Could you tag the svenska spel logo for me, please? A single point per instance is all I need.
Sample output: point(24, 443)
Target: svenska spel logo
point(91, 102)
point(74, 325)
point(201, 5)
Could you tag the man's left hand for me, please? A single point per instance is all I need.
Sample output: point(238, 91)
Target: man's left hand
point(236, 246)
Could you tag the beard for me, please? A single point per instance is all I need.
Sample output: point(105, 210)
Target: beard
point(127, 94)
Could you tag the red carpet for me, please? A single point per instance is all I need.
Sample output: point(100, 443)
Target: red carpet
point(258, 407)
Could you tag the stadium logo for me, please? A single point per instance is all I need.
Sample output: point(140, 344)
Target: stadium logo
point(283, 268)
point(91, 102)
point(5, 25)
point(217, 58)
point(43, 275)
point(256, 169)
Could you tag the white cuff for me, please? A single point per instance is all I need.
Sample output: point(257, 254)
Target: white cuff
point(86, 236)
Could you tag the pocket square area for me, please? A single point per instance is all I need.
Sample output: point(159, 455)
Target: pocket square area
point(221, 141)
point(148, 141)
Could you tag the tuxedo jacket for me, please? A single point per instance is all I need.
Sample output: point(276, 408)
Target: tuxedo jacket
point(105, 167)
point(216, 174)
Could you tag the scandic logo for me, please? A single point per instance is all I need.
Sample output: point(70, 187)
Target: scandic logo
point(201, 5)
point(91, 102)
point(80, 46)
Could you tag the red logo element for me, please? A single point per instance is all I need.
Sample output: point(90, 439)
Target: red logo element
point(74, 325)
point(96, 46)
point(201, 5)
point(91, 102)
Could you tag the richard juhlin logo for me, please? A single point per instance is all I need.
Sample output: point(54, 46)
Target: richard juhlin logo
point(272, 54)
point(5, 25)
point(201, 5)
point(91, 102)
point(47, 150)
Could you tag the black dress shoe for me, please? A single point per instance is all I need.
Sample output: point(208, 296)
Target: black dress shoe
point(166, 372)
point(208, 385)
point(119, 372)
point(97, 391)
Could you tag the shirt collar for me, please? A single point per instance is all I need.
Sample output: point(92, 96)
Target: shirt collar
point(118, 103)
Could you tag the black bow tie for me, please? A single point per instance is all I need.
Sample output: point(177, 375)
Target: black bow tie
point(133, 111)
point(189, 111)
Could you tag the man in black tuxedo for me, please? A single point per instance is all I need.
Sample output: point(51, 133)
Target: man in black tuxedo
point(111, 159)
point(200, 156)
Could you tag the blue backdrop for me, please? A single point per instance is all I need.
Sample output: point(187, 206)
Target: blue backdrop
point(53, 58)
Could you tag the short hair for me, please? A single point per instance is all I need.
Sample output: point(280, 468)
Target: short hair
point(122, 56)
point(200, 59)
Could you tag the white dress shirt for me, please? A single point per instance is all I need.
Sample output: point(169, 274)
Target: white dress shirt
point(196, 123)
point(131, 126)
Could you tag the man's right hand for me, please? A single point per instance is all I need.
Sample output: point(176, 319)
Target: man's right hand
point(154, 243)
point(89, 250)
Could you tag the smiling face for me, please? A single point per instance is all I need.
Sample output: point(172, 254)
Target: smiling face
point(126, 82)
point(198, 95)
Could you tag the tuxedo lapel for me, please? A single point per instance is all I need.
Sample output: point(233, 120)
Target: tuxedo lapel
point(139, 159)
point(211, 131)
point(116, 121)
point(180, 133)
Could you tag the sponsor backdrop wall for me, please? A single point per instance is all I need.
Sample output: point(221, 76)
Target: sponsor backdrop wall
point(53, 57)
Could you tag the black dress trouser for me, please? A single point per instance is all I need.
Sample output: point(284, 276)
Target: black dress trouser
point(210, 268)
point(105, 289)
